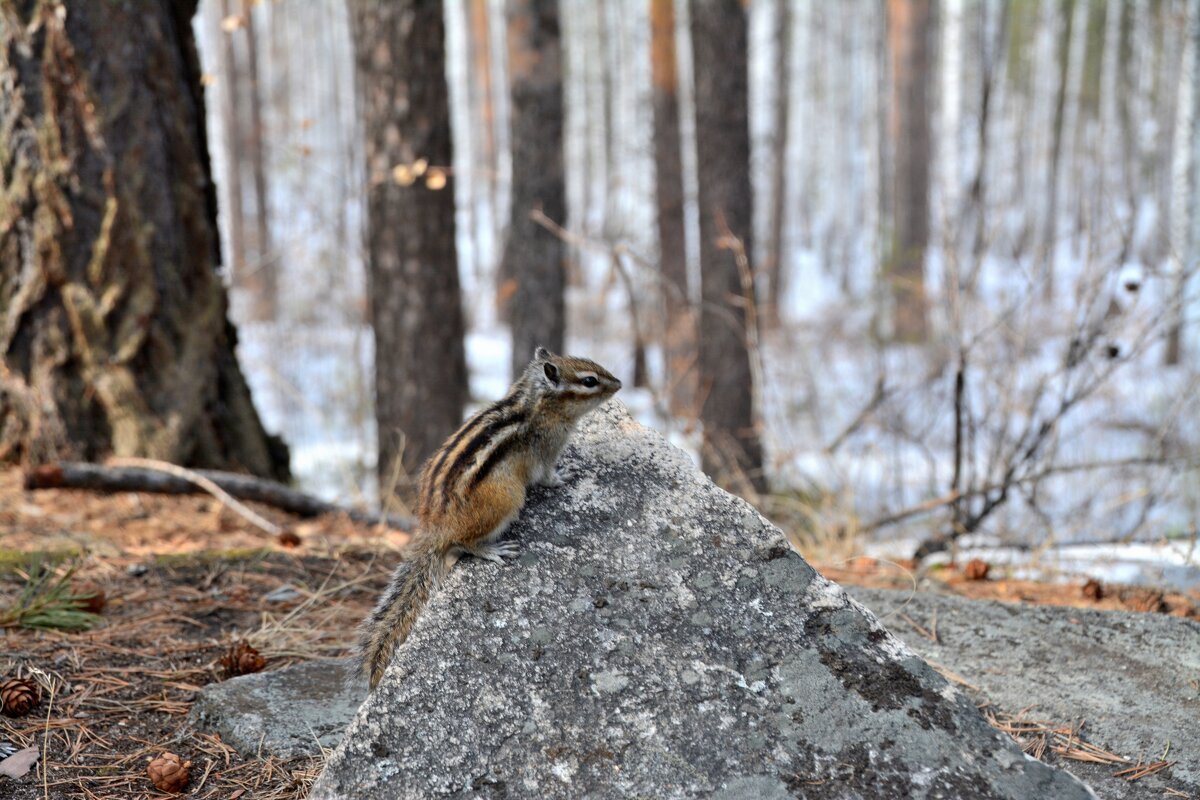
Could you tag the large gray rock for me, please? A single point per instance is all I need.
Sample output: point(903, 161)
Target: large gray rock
point(1129, 676)
point(658, 639)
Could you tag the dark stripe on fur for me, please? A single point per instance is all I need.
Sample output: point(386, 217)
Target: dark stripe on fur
point(467, 457)
point(494, 458)
point(439, 458)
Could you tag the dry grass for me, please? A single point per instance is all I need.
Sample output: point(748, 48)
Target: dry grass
point(1037, 737)
point(116, 696)
point(183, 580)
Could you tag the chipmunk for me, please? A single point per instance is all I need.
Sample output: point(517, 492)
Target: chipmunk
point(473, 487)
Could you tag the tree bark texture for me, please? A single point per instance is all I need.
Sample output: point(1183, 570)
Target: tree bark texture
point(112, 314)
point(732, 450)
point(533, 256)
point(412, 272)
point(908, 33)
point(680, 332)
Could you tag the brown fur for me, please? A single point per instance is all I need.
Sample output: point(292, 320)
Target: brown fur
point(474, 486)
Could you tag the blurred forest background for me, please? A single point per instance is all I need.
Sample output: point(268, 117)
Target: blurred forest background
point(905, 271)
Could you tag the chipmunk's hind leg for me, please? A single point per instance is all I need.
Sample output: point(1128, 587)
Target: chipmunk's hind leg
point(495, 551)
point(496, 504)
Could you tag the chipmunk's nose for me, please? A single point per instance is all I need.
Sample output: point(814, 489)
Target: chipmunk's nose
point(616, 384)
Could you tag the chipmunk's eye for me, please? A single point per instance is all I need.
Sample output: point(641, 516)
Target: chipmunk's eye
point(590, 381)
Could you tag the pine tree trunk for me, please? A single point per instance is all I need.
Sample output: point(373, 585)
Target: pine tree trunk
point(680, 331)
point(732, 451)
point(533, 256)
point(412, 272)
point(113, 321)
point(908, 50)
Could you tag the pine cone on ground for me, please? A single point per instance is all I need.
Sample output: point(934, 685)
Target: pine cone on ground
point(90, 598)
point(976, 570)
point(169, 773)
point(242, 659)
point(1140, 598)
point(18, 696)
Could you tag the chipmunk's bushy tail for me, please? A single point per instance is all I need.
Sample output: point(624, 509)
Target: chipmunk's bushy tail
point(413, 582)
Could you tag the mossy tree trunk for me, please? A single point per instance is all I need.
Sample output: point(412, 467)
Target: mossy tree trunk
point(112, 313)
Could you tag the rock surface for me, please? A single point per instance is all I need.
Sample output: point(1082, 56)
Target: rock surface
point(656, 638)
point(1131, 677)
point(287, 713)
point(1127, 675)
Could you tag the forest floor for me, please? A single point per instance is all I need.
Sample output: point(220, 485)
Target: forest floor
point(185, 579)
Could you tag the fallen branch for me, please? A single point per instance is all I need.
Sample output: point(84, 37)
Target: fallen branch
point(176, 480)
point(204, 483)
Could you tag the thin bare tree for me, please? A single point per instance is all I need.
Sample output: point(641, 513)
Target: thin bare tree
point(679, 332)
point(774, 268)
point(908, 35)
point(264, 273)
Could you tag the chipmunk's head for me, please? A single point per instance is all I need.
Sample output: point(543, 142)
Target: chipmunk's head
point(575, 385)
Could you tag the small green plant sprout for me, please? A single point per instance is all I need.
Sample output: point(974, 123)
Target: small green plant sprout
point(47, 600)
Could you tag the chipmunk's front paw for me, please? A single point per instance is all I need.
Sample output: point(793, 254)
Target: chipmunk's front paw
point(552, 479)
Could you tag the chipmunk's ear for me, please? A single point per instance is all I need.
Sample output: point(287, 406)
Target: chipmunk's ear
point(541, 354)
point(551, 373)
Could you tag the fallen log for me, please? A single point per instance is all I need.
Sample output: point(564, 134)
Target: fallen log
point(105, 478)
